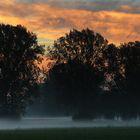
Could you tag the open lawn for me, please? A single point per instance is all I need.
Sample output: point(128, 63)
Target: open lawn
point(72, 134)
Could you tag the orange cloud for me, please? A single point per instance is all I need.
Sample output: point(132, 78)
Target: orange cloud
point(126, 7)
point(49, 22)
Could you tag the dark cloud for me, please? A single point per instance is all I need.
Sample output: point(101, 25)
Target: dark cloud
point(127, 6)
point(107, 5)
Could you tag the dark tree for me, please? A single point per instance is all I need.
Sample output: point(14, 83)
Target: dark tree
point(74, 79)
point(82, 46)
point(123, 74)
point(110, 97)
point(130, 61)
point(19, 72)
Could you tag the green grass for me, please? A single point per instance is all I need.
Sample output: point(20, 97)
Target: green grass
point(73, 134)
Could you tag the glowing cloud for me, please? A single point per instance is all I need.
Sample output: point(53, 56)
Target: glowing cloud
point(51, 19)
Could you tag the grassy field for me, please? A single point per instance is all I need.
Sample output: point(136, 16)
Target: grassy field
point(73, 134)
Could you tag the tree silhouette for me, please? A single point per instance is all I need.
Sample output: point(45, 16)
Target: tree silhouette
point(123, 70)
point(19, 72)
point(130, 60)
point(81, 46)
point(110, 98)
point(74, 79)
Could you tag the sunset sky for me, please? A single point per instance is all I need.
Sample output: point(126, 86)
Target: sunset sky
point(116, 20)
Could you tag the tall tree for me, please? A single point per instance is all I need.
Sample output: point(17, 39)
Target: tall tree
point(110, 99)
point(19, 72)
point(123, 73)
point(130, 60)
point(81, 46)
point(74, 79)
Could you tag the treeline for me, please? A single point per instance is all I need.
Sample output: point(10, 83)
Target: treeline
point(92, 78)
point(89, 77)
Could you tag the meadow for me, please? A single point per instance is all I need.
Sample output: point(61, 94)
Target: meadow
point(127, 133)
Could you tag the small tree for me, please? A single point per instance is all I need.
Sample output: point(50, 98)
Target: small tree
point(19, 52)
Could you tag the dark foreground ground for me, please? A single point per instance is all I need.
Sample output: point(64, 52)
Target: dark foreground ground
point(72, 134)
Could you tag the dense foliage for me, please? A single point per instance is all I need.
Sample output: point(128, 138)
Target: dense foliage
point(93, 77)
point(89, 77)
point(19, 52)
point(78, 73)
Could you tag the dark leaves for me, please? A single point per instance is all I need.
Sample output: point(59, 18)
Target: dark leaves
point(19, 73)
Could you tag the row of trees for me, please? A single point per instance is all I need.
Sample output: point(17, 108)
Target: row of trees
point(92, 78)
point(89, 77)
